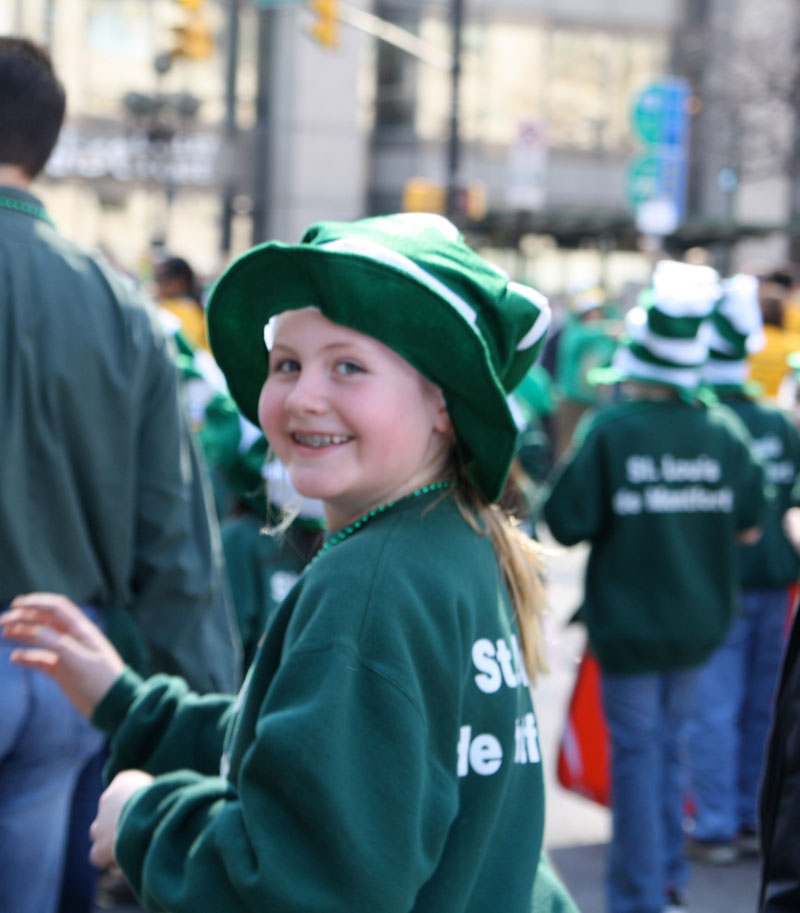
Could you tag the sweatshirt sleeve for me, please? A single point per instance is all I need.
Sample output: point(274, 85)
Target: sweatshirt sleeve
point(339, 804)
point(159, 725)
point(575, 508)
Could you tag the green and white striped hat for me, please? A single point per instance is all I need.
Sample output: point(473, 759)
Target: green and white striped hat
point(736, 331)
point(667, 331)
point(410, 281)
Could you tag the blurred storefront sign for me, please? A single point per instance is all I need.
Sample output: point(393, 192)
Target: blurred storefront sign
point(190, 158)
point(527, 167)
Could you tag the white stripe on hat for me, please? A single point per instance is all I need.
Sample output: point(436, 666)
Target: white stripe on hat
point(381, 254)
point(687, 352)
point(542, 322)
point(685, 289)
point(629, 364)
point(725, 373)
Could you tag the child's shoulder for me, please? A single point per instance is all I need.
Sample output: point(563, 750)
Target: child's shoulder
point(420, 552)
point(613, 417)
point(384, 577)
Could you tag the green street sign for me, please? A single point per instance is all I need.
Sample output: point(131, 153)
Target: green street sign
point(659, 115)
point(643, 179)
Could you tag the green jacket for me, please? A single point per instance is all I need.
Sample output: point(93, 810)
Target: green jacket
point(660, 490)
point(102, 495)
point(262, 568)
point(771, 562)
point(582, 347)
point(382, 755)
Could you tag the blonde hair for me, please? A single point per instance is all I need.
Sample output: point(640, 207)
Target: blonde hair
point(522, 564)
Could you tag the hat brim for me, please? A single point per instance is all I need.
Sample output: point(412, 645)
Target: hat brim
point(400, 312)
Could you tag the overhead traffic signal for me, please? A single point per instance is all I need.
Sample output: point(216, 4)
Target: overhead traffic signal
point(325, 29)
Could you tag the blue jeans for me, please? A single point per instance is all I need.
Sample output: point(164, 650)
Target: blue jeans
point(44, 744)
point(646, 717)
point(731, 717)
point(80, 877)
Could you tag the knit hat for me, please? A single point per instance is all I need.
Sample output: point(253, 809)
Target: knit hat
point(736, 332)
point(667, 332)
point(410, 281)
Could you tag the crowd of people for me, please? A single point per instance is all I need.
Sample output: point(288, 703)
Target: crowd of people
point(271, 582)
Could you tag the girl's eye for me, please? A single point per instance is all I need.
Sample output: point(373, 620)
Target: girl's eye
point(346, 367)
point(284, 366)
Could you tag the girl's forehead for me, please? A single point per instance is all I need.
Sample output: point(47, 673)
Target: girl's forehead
point(303, 322)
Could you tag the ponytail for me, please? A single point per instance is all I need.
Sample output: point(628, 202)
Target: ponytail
point(522, 564)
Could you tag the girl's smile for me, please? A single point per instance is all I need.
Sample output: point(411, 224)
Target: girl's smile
point(355, 424)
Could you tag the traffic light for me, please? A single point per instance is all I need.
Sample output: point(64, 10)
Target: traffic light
point(193, 40)
point(325, 29)
point(423, 195)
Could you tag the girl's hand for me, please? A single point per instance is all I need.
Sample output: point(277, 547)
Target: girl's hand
point(64, 644)
point(103, 831)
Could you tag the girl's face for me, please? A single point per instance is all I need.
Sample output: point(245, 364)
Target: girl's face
point(353, 422)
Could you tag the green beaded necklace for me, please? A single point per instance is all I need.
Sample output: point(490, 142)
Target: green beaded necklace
point(30, 209)
point(343, 534)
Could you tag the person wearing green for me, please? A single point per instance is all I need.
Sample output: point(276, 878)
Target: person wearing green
point(734, 697)
point(102, 496)
point(383, 753)
point(660, 484)
point(587, 342)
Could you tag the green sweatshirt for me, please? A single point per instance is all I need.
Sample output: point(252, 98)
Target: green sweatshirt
point(771, 562)
point(382, 755)
point(660, 489)
point(103, 496)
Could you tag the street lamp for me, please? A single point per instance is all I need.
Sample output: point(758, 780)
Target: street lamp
point(158, 117)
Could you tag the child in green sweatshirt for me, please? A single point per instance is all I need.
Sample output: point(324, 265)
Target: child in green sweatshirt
point(660, 484)
point(383, 753)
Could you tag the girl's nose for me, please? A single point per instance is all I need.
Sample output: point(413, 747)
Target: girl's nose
point(307, 393)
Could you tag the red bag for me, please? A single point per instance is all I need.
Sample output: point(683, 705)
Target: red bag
point(584, 752)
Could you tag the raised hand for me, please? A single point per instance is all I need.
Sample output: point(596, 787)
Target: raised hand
point(64, 644)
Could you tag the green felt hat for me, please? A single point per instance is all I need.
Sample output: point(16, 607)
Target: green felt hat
point(667, 331)
point(411, 282)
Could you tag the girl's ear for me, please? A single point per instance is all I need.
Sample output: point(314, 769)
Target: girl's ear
point(442, 422)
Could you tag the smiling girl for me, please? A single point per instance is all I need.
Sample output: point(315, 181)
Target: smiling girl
point(383, 753)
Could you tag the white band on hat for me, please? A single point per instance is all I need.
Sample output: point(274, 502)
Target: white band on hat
point(542, 322)
point(725, 373)
point(366, 248)
point(628, 364)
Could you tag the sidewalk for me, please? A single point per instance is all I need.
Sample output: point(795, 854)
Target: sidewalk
point(712, 889)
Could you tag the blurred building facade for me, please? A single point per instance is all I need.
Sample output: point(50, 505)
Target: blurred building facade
point(255, 130)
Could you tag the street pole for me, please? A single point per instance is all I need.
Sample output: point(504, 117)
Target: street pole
point(231, 127)
point(261, 145)
point(454, 140)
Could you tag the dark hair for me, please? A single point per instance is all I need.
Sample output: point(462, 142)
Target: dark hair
point(32, 105)
point(784, 276)
point(178, 268)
